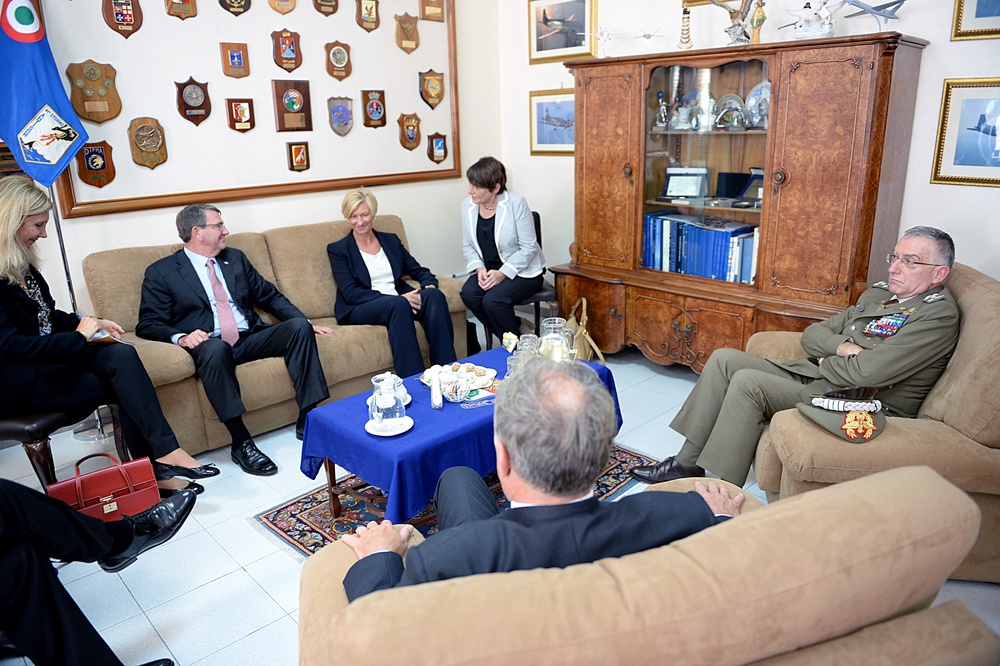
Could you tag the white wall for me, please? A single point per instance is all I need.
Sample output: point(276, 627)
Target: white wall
point(494, 80)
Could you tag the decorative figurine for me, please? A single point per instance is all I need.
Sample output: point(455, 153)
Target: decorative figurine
point(685, 42)
point(756, 21)
point(663, 115)
point(737, 31)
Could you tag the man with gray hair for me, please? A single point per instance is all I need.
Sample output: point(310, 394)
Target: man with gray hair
point(204, 299)
point(553, 428)
point(897, 339)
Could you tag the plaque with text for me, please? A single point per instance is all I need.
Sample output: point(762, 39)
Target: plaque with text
point(298, 156)
point(182, 9)
point(122, 16)
point(338, 60)
point(282, 6)
point(407, 37)
point(93, 91)
point(287, 53)
point(292, 110)
point(374, 101)
point(94, 165)
point(147, 142)
point(193, 102)
point(409, 130)
point(235, 7)
point(367, 14)
point(326, 7)
point(239, 114)
point(235, 59)
point(340, 111)
point(431, 87)
point(437, 147)
point(432, 10)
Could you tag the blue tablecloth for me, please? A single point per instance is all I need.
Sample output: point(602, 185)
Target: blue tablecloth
point(407, 466)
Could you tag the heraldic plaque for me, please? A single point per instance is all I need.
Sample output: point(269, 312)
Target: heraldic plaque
point(146, 140)
point(292, 110)
point(407, 37)
point(326, 7)
point(437, 148)
point(409, 130)
point(239, 114)
point(298, 156)
point(235, 7)
point(94, 165)
point(182, 9)
point(287, 54)
point(431, 87)
point(193, 102)
point(282, 6)
point(122, 16)
point(93, 91)
point(367, 14)
point(432, 10)
point(235, 59)
point(341, 113)
point(338, 60)
point(374, 101)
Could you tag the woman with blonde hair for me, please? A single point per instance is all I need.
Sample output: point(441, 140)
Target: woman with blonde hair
point(369, 266)
point(50, 360)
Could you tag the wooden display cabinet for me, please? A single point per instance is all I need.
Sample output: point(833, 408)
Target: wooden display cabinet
point(831, 140)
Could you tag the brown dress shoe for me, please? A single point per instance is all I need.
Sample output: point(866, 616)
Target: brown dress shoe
point(668, 470)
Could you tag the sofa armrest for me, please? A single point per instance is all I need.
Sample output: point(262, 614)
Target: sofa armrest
point(452, 288)
point(685, 485)
point(776, 346)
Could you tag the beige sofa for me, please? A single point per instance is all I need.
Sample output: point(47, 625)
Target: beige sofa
point(295, 259)
point(956, 432)
point(817, 579)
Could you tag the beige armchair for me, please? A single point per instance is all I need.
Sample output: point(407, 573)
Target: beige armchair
point(956, 432)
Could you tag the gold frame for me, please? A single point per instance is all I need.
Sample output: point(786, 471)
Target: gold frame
point(958, 33)
point(950, 124)
point(589, 47)
point(536, 96)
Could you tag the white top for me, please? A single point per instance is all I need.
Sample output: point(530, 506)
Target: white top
point(380, 272)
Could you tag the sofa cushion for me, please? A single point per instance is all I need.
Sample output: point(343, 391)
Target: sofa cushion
point(165, 363)
point(801, 571)
point(114, 280)
point(965, 397)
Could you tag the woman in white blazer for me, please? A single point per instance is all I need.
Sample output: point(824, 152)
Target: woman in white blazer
point(500, 248)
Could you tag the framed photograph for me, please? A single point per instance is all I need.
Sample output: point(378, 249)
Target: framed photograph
point(968, 147)
point(561, 30)
point(553, 122)
point(976, 19)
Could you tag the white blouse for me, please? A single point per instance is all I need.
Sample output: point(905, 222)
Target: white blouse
point(380, 272)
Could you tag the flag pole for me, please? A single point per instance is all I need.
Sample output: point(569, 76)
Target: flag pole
point(62, 249)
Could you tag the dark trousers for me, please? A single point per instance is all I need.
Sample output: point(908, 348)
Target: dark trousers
point(111, 373)
point(495, 308)
point(215, 363)
point(395, 314)
point(462, 496)
point(36, 612)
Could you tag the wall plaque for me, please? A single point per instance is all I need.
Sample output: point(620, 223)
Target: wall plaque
point(122, 16)
point(235, 7)
point(298, 156)
point(407, 37)
point(282, 6)
point(182, 9)
point(292, 110)
point(409, 130)
point(193, 102)
point(287, 54)
point(340, 111)
point(367, 14)
point(326, 7)
point(432, 10)
point(239, 114)
point(374, 101)
point(338, 60)
point(437, 148)
point(147, 142)
point(94, 165)
point(93, 91)
point(235, 59)
point(431, 87)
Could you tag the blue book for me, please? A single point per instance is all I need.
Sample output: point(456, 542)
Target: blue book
point(656, 251)
point(746, 259)
point(646, 238)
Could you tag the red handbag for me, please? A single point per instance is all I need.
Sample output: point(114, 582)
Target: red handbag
point(112, 492)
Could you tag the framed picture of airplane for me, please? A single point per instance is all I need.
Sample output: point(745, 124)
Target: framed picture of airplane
point(976, 19)
point(553, 122)
point(968, 146)
point(559, 30)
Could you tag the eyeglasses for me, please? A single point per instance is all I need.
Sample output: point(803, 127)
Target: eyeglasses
point(909, 263)
point(217, 225)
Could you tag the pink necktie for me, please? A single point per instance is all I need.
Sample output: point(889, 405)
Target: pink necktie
point(227, 322)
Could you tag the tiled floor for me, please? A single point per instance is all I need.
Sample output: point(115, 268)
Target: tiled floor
point(221, 593)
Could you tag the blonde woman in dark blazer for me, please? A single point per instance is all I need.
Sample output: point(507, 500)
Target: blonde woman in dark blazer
point(500, 248)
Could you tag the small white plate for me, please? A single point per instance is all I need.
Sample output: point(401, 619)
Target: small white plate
point(409, 399)
point(382, 430)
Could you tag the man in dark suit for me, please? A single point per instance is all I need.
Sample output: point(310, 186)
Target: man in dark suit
point(203, 298)
point(553, 428)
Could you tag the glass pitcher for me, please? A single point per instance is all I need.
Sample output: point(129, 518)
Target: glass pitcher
point(556, 341)
point(386, 405)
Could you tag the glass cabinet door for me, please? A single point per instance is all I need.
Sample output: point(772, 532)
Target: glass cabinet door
point(705, 150)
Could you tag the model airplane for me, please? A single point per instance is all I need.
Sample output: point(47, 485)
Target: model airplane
point(819, 22)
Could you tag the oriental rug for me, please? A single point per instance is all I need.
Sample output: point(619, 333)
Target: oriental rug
point(305, 523)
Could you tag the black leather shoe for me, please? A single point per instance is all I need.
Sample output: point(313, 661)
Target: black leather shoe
point(152, 527)
point(170, 492)
point(163, 471)
point(668, 470)
point(300, 429)
point(251, 460)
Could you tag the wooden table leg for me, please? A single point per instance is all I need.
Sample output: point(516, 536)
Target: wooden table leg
point(336, 490)
point(331, 474)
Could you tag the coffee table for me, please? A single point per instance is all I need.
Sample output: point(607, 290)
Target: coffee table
point(407, 466)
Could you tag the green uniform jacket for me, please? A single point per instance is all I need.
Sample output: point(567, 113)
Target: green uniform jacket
point(903, 366)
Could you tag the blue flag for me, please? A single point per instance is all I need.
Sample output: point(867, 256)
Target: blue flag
point(37, 121)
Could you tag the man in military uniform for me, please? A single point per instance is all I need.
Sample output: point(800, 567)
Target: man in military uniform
point(898, 338)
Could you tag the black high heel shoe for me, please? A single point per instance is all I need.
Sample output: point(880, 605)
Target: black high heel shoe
point(170, 492)
point(163, 471)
